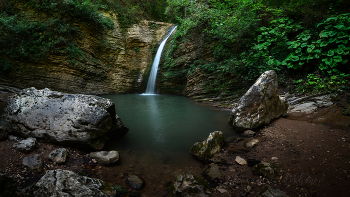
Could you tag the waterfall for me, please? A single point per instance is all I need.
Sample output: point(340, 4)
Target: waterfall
point(152, 77)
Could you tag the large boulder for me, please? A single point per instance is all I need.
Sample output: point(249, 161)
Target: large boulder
point(71, 119)
point(67, 183)
point(260, 104)
point(208, 148)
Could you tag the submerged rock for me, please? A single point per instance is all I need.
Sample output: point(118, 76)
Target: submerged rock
point(208, 148)
point(134, 182)
point(187, 185)
point(259, 105)
point(34, 163)
point(105, 157)
point(72, 119)
point(26, 145)
point(59, 155)
point(67, 183)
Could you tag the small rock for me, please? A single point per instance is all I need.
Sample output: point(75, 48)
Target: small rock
point(274, 158)
point(268, 169)
point(248, 133)
point(134, 182)
point(59, 155)
point(105, 157)
point(26, 145)
point(208, 148)
point(213, 172)
point(271, 192)
point(13, 138)
point(221, 190)
point(248, 188)
point(240, 160)
point(232, 139)
point(187, 185)
point(34, 163)
point(252, 143)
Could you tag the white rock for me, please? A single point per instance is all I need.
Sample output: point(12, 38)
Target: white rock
point(241, 161)
point(252, 143)
point(105, 157)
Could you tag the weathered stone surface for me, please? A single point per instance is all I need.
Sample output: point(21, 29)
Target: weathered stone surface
point(26, 145)
point(134, 182)
point(62, 183)
point(213, 172)
point(259, 105)
point(268, 169)
point(3, 133)
point(186, 186)
point(308, 104)
point(105, 157)
point(8, 185)
point(59, 155)
point(273, 192)
point(208, 148)
point(248, 133)
point(114, 61)
point(240, 161)
point(72, 119)
point(34, 163)
point(251, 143)
point(307, 108)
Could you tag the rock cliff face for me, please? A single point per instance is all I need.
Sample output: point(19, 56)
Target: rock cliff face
point(114, 61)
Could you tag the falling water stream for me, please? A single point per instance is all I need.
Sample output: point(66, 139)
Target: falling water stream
point(152, 77)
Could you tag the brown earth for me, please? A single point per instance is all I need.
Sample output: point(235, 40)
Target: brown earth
point(313, 149)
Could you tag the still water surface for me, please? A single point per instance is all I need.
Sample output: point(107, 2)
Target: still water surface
point(165, 126)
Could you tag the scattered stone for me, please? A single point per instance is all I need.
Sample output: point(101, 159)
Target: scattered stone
point(208, 148)
point(271, 192)
point(213, 172)
point(274, 158)
point(221, 190)
point(187, 185)
point(252, 162)
point(248, 189)
point(3, 133)
point(252, 143)
point(13, 138)
point(248, 133)
point(67, 183)
point(260, 104)
point(134, 182)
point(59, 155)
point(105, 157)
point(34, 163)
point(233, 139)
point(218, 159)
point(240, 161)
point(268, 169)
point(72, 119)
point(8, 185)
point(26, 145)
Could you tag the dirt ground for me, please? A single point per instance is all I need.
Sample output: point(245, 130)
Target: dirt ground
point(313, 149)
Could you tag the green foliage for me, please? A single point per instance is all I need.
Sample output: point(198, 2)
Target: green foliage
point(22, 39)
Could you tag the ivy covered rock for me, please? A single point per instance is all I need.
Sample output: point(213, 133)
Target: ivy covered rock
point(208, 148)
point(72, 119)
point(259, 105)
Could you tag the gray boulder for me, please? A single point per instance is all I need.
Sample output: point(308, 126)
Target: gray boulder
point(187, 186)
point(34, 163)
point(59, 155)
point(259, 105)
point(3, 133)
point(26, 145)
point(105, 157)
point(62, 183)
point(70, 119)
point(213, 172)
point(134, 182)
point(208, 148)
